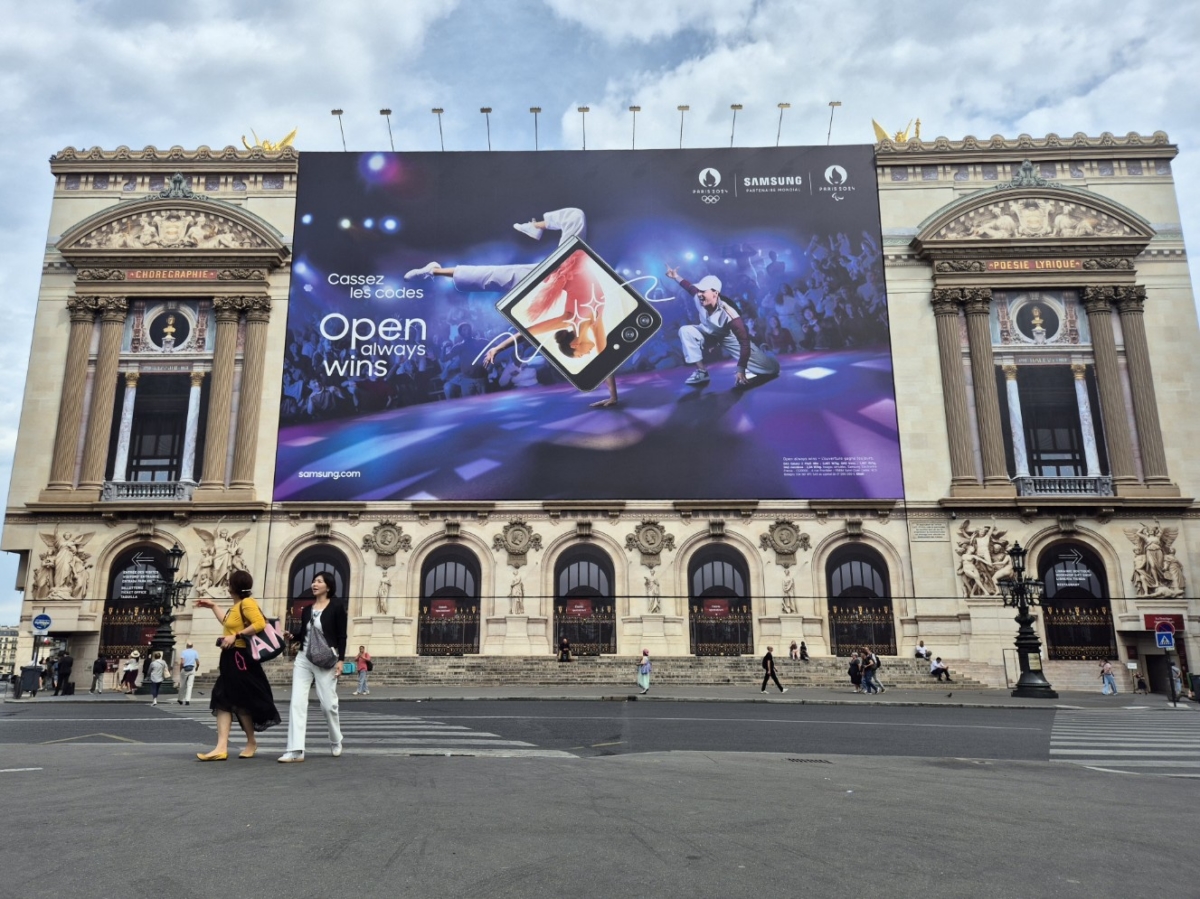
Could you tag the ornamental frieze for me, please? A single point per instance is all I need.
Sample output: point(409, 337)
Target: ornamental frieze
point(156, 229)
point(387, 539)
point(517, 539)
point(650, 540)
point(1033, 217)
point(100, 274)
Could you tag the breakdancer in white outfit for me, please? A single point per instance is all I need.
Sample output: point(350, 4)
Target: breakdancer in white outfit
point(720, 323)
point(569, 222)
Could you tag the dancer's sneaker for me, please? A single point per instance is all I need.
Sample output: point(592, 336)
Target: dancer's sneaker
point(422, 274)
point(529, 229)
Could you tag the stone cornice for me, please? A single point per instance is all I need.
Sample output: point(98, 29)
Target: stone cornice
point(1079, 146)
point(123, 159)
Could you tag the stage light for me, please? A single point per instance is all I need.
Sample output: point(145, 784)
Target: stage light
point(376, 162)
point(368, 223)
point(390, 224)
point(344, 224)
point(306, 219)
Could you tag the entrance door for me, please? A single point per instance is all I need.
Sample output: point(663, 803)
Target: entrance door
point(1076, 611)
point(448, 620)
point(720, 612)
point(134, 604)
point(860, 602)
point(584, 607)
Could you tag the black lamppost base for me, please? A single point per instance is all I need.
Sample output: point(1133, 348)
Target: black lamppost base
point(1034, 691)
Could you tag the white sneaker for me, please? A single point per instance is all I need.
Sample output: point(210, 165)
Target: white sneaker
point(422, 274)
point(335, 750)
point(154, 702)
point(529, 229)
point(784, 690)
point(292, 756)
point(696, 377)
point(762, 691)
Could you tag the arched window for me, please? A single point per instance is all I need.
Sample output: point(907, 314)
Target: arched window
point(306, 566)
point(860, 601)
point(720, 611)
point(584, 605)
point(1076, 612)
point(134, 601)
point(448, 621)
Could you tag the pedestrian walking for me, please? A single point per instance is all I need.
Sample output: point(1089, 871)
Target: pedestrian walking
point(130, 673)
point(158, 673)
point(322, 639)
point(189, 664)
point(643, 677)
point(363, 665)
point(855, 672)
point(768, 663)
point(870, 666)
point(99, 668)
point(1176, 679)
point(1108, 678)
point(242, 689)
point(63, 666)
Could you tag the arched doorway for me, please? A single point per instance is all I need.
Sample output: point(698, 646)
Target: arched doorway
point(860, 601)
point(134, 602)
point(448, 621)
point(307, 565)
point(720, 612)
point(1076, 613)
point(584, 606)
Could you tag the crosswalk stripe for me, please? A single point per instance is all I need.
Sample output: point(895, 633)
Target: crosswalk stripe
point(1127, 741)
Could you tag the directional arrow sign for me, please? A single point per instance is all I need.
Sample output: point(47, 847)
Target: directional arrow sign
point(1165, 640)
point(139, 559)
point(1073, 556)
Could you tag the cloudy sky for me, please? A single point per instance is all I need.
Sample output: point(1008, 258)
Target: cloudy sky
point(103, 73)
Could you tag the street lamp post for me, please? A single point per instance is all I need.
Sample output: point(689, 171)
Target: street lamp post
point(833, 105)
point(487, 117)
point(733, 127)
point(1020, 592)
point(387, 114)
point(635, 110)
point(583, 111)
point(338, 113)
point(682, 110)
point(171, 596)
point(779, 130)
point(437, 111)
point(535, 110)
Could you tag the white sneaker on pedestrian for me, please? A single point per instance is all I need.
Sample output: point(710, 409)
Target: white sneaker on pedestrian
point(421, 274)
point(529, 229)
point(762, 691)
point(291, 756)
point(335, 750)
point(784, 690)
point(366, 692)
point(153, 702)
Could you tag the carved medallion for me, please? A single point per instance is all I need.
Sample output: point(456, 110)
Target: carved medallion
point(517, 539)
point(650, 540)
point(387, 539)
point(785, 537)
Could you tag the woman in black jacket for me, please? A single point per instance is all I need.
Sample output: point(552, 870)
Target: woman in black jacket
point(322, 639)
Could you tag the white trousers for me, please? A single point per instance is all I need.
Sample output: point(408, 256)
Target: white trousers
point(186, 679)
point(692, 338)
point(569, 222)
point(304, 675)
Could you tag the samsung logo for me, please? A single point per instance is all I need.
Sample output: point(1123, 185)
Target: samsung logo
point(774, 181)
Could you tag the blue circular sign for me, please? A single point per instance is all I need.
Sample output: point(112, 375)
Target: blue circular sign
point(42, 622)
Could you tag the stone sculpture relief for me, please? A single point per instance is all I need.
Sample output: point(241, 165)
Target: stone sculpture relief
point(65, 570)
point(653, 595)
point(983, 559)
point(221, 556)
point(387, 539)
point(516, 592)
point(789, 591)
point(1033, 217)
point(650, 539)
point(171, 228)
point(1156, 568)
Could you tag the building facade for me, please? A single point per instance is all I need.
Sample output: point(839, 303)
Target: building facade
point(1043, 332)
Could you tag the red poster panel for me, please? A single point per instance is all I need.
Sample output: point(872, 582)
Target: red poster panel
point(716, 608)
point(580, 608)
point(442, 608)
point(1153, 620)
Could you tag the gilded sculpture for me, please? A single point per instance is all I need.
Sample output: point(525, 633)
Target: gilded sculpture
point(267, 145)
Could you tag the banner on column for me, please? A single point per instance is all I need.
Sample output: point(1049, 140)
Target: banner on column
point(771, 376)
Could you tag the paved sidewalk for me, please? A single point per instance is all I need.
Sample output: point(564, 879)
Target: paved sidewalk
point(971, 698)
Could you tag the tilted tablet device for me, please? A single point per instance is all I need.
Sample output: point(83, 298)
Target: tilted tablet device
point(581, 315)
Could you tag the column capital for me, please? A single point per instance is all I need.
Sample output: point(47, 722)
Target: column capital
point(1079, 370)
point(198, 378)
point(112, 309)
point(1098, 299)
point(1131, 299)
point(82, 308)
point(946, 300)
point(977, 300)
point(1010, 372)
point(131, 378)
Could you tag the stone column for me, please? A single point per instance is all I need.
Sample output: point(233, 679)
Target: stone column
point(187, 469)
point(122, 460)
point(258, 316)
point(978, 304)
point(1015, 422)
point(99, 428)
point(1098, 303)
point(954, 388)
point(70, 408)
point(1130, 304)
point(1085, 420)
point(220, 396)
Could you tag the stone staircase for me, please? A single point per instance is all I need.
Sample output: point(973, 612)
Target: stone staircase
point(494, 671)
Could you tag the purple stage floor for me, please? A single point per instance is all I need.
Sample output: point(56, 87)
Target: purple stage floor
point(824, 429)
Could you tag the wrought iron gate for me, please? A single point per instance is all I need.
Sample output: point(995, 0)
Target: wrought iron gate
point(854, 623)
point(590, 624)
point(721, 627)
point(1079, 630)
point(448, 626)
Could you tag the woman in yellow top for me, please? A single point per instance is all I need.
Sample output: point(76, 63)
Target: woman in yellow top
point(241, 690)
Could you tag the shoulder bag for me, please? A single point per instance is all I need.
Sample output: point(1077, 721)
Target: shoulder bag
point(319, 652)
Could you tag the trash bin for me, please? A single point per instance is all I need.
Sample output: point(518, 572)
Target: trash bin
point(31, 680)
point(1195, 678)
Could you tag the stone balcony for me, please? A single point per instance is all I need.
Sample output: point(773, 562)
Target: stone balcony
point(151, 491)
point(1044, 486)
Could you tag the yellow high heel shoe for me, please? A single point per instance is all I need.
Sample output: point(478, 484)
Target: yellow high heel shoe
point(211, 756)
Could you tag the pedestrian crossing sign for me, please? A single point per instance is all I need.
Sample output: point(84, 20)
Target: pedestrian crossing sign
point(1165, 640)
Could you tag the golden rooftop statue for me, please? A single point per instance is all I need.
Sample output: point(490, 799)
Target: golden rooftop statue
point(267, 145)
point(900, 137)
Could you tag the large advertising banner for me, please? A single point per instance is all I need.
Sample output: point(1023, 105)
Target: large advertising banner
point(659, 325)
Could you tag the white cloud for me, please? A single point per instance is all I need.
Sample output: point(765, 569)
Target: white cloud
point(637, 20)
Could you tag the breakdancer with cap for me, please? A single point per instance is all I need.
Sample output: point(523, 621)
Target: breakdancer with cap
point(720, 324)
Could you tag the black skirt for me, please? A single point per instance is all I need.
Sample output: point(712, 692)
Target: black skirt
point(242, 689)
